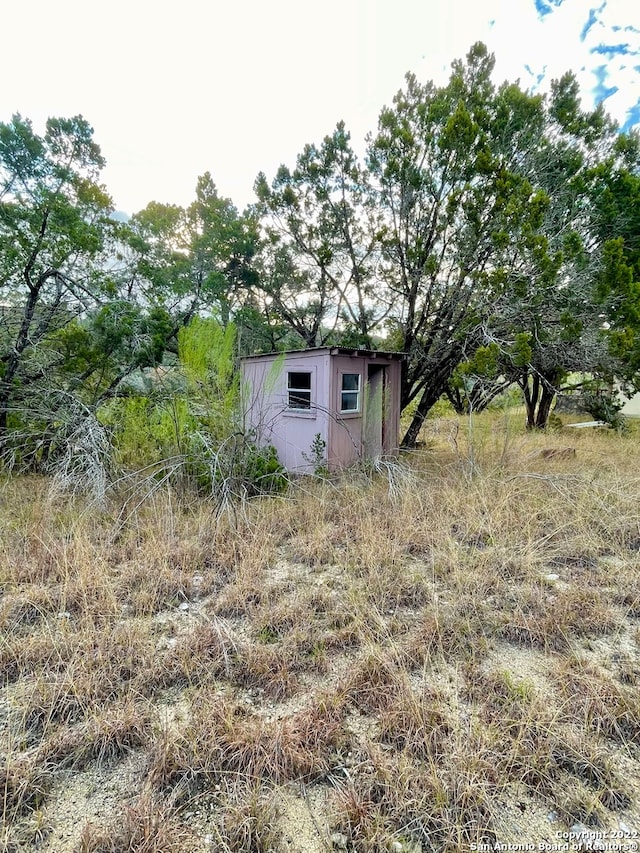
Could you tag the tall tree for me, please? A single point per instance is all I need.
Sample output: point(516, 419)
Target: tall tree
point(321, 243)
point(457, 212)
point(558, 315)
point(196, 257)
point(477, 227)
point(223, 245)
point(55, 229)
point(616, 202)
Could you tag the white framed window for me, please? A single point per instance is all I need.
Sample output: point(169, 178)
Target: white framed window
point(299, 390)
point(350, 392)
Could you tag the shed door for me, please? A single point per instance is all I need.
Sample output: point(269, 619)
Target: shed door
point(374, 410)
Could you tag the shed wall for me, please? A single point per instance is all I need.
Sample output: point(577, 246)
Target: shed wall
point(370, 431)
point(265, 404)
point(354, 436)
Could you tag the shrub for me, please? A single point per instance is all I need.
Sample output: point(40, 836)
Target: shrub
point(186, 428)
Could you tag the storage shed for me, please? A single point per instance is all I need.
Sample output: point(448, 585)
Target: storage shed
point(329, 406)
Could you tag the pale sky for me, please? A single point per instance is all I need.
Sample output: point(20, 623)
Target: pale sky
point(176, 89)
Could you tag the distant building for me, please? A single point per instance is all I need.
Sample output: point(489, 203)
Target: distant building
point(631, 408)
point(330, 405)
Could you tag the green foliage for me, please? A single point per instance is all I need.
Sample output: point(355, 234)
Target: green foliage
point(203, 253)
point(462, 218)
point(492, 233)
point(54, 232)
point(233, 469)
point(199, 393)
point(145, 430)
point(521, 351)
point(187, 427)
point(500, 206)
point(206, 353)
point(321, 230)
point(603, 404)
point(80, 316)
point(619, 297)
point(262, 472)
point(484, 363)
point(317, 456)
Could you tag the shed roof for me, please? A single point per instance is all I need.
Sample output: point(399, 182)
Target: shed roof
point(368, 353)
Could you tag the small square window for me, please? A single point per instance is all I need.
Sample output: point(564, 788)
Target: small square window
point(299, 390)
point(350, 392)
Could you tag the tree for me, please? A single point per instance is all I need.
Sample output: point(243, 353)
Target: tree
point(194, 258)
point(458, 215)
point(55, 231)
point(560, 314)
point(477, 224)
point(476, 382)
point(320, 249)
point(85, 300)
point(616, 201)
point(223, 245)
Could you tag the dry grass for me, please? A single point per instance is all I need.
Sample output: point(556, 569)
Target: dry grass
point(432, 648)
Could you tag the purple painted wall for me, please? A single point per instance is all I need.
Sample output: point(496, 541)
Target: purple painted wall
point(349, 398)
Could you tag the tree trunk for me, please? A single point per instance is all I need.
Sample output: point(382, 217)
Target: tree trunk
point(3, 417)
point(478, 399)
point(455, 398)
point(434, 379)
point(544, 407)
point(539, 395)
point(530, 393)
point(429, 397)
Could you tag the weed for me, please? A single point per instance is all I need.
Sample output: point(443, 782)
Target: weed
point(417, 644)
point(145, 826)
point(249, 820)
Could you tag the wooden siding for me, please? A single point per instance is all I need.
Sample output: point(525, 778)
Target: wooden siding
point(266, 409)
point(372, 430)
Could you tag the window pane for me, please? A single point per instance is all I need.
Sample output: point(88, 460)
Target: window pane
point(349, 401)
point(300, 380)
point(350, 396)
point(299, 399)
point(350, 381)
point(299, 390)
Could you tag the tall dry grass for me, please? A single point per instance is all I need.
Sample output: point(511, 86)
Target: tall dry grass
point(433, 646)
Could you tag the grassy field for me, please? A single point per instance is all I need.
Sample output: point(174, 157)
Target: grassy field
point(434, 657)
